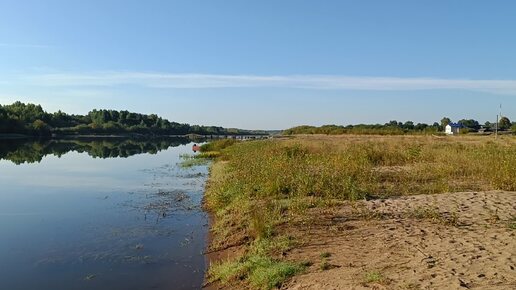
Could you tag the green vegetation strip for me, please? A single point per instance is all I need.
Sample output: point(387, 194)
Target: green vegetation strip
point(257, 267)
point(31, 119)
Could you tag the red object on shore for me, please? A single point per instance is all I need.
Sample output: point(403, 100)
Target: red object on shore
point(196, 148)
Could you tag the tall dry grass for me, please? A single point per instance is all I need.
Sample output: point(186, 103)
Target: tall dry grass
point(352, 168)
point(261, 184)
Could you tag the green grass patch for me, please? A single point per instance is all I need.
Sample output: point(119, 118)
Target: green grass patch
point(188, 161)
point(258, 268)
point(218, 145)
point(433, 214)
point(512, 224)
point(266, 273)
point(325, 255)
point(373, 277)
point(261, 272)
point(325, 266)
point(209, 154)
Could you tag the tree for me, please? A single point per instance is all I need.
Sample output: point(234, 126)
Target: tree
point(23, 118)
point(4, 121)
point(470, 123)
point(27, 113)
point(504, 123)
point(41, 127)
point(392, 123)
point(421, 126)
point(3, 114)
point(513, 128)
point(445, 121)
point(409, 125)
point(60, 119)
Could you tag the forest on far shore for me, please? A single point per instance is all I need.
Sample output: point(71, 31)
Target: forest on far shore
point(33, 120)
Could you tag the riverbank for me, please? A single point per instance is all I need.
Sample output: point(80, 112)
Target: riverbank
point(132, 136)
point(298, 208)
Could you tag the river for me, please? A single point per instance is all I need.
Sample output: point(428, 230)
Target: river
point(101, 214)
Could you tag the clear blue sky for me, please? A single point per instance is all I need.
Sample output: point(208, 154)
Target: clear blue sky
point(263, 64)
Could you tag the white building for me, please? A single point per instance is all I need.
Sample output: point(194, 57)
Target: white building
point(453, 129)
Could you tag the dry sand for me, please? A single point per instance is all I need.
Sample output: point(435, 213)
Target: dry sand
point(445, 241)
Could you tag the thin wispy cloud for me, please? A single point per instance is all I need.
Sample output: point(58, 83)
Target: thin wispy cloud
point(316, 82)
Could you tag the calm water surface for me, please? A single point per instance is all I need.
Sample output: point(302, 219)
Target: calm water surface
point(106, 215)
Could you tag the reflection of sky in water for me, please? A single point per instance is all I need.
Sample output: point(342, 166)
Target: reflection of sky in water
point(77, 222)
point(75, 169)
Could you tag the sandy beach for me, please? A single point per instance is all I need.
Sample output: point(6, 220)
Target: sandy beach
point(445, 241)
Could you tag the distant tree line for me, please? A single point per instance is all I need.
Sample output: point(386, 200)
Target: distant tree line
point(398, 128)
point(504, 124)
point(31, 119)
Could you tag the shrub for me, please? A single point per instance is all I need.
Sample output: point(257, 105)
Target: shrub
point(373, 277)
point(218, 145)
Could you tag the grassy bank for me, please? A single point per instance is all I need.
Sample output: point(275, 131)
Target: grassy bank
point(257, 189)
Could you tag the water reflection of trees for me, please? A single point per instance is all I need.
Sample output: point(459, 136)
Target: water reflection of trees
point(20, 151)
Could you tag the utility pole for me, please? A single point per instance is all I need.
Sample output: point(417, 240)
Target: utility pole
point(496, 127)
point(497, 121)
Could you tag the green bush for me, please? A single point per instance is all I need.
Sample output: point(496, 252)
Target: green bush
point(218, 145)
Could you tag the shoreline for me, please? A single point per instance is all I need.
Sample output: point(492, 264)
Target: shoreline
point(128, 136)
point(212, 255)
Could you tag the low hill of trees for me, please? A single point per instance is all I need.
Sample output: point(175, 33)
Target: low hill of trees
point(375, 129)
point(32, 119)
point(398, 128)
